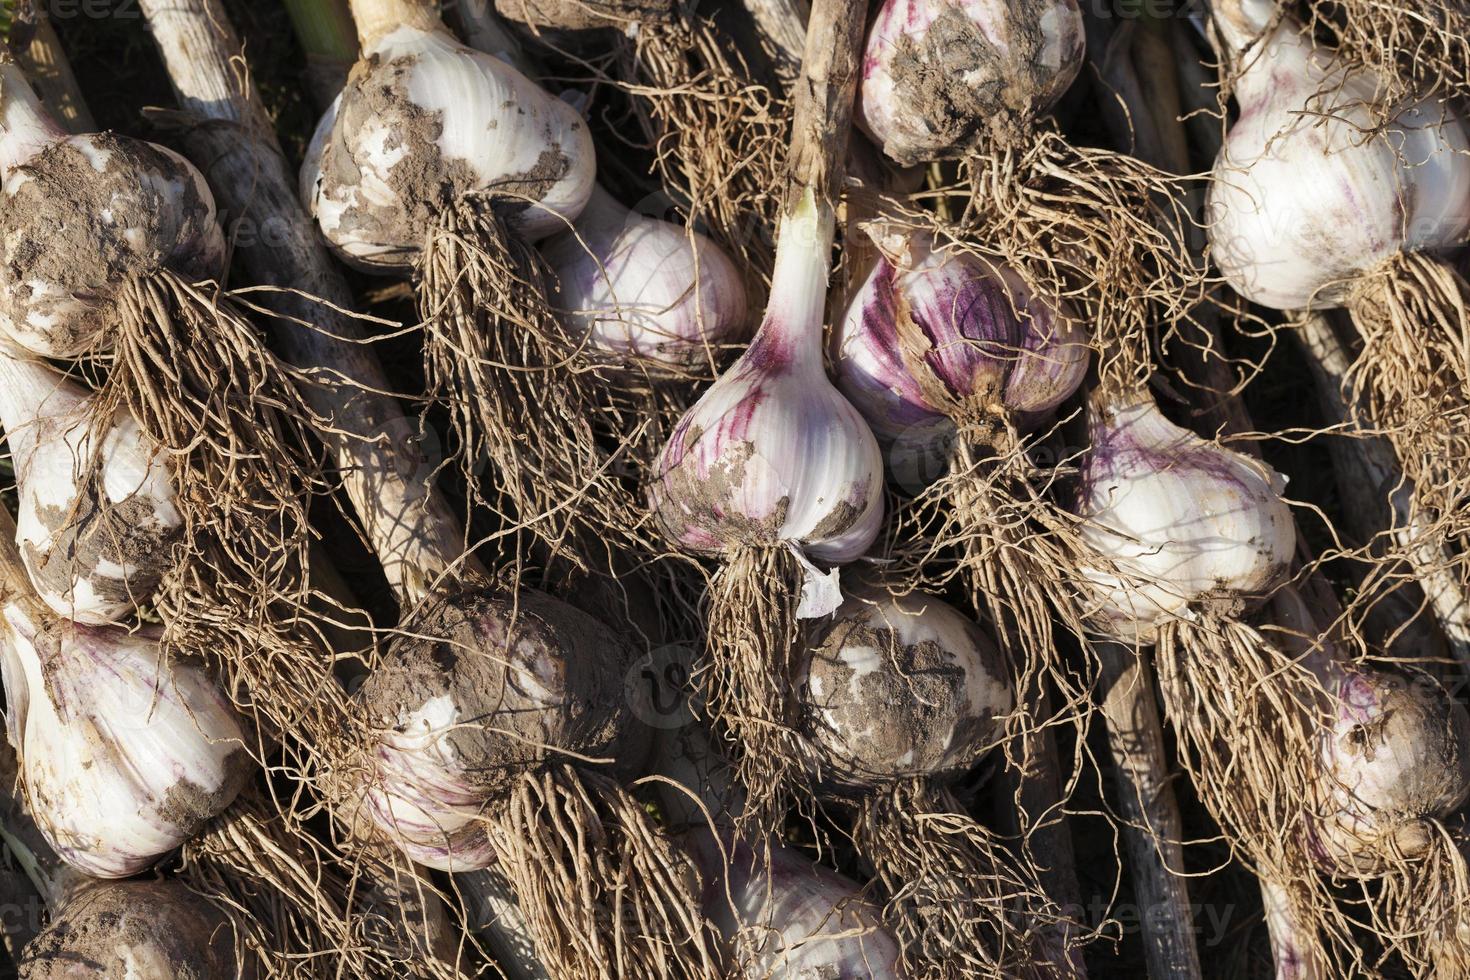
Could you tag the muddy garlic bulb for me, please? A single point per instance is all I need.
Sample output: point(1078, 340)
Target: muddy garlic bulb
point(935, 337)
point(125, 754)
point(901, 686)
point(772, 452)
point(97, 523)
point(425, 121)
point(943, 77)
point(645, 290)
point(1183, 524)
point(487, 688)
point(83, 219)
point(135, 930)
point(1398, 752)
point(1306, 120)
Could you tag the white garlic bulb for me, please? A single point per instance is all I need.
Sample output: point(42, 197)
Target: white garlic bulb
point(1180, 523)
point(943, 77)
point(772, 452)
point(643, 289)
point(84, 217)
point(1311, 190)
point(901, 686)
point(124, 755)
point(425, 121)
point(97, 524)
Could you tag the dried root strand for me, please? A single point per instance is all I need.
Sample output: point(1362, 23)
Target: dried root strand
point(959, 904)
point(1422, 909)
point(719, 136)
point(751, 648)
point(603, 890)
point(520, 394)
point(1420, 49)
point(1102, 230)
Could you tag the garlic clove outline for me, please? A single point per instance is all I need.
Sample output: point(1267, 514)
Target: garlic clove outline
point(124, 755)
point(1311, 190)
point(941, 78)
point(937, 336)
point(425, 120)
point(97, 523)
point(644, 290)
point(1179, 524)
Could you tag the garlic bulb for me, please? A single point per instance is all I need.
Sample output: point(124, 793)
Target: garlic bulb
point(483, 689)
point(900, 686)
point(97, 524)
point(124, 755)
point(643, 289)
point(1308, 121)
point(932, 337)
point(943, 77)
point(772, 452)
point(1398, 751)
point(1180, 522)
point(136, 930)
point(82, 218)
point(425, 121)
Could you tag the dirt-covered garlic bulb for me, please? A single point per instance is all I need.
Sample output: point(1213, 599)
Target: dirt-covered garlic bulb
point(487, 688)
point(136, 930)
point(83, 219)
point(1308, 120)
point(643, 290)
point(97, 523)
point(772, 452)
point(125, 753)
point(943, 77)
point(425, 121)
point(1180, 524)
point(1397, 755)
point(937, 337)
point(901, 686)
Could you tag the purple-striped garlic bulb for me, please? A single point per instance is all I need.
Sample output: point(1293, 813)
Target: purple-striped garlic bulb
point(901, 686)
point(425, 121)
point(772, 453)
point(97, 523)
point(481, 689)
point(125, 752)
point(943, 77)
point(643, 290)
point(1396, 756)
point(1180, 524)
point(937, 337)
point(1307, 120)
point(83, 218)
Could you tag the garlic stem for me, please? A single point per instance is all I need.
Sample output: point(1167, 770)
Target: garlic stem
point(497, 917)
point(1241, 23)
point(51, 77)
point(1293, 961)
point(376, 19)
point(26, 127)
point(408, 524)
point(1375, 465)
point(783, 24)
point(328, 38)
point(484, 31)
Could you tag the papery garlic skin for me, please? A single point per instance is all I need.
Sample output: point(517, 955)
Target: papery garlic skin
point(81, 221)
point(136, 930)
point(645, 290)
point(1180, 525)
point(901, 686)
point(1396, 755)
point(941, 78)
point(931, 337)
point(425, 121)
point(1301, 205)
point(124, 753)
point(482, 689)
point(772, 453)
point(97, 525)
